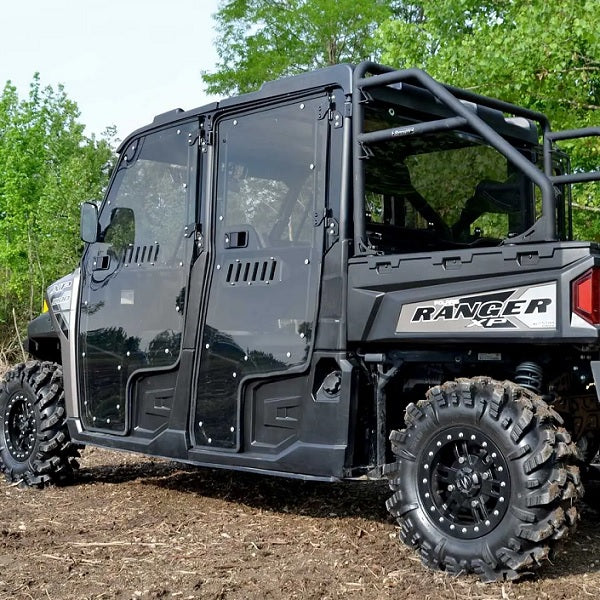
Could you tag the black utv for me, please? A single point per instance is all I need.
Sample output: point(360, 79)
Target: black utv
point(287, 281)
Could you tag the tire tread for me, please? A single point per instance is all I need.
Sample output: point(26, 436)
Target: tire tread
point(544, 452)
point(54, 458)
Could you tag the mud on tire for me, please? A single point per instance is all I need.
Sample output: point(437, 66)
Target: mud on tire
point(35, 447)
point(485, 479)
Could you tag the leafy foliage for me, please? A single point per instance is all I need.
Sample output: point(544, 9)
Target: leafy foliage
point(261, 40)
point(545, 56)
point(47, 167)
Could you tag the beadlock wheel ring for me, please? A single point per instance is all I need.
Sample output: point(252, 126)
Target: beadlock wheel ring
point(20, 427)
point(463, 482)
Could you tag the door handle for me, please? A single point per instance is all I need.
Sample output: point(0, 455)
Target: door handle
point(236, 239)
point(101, 262)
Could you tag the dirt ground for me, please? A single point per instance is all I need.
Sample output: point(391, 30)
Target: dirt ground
point(133, 527)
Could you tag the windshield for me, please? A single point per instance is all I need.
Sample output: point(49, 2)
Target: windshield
point(441, 190)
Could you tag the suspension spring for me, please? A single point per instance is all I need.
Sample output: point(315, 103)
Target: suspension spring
point(529, 375)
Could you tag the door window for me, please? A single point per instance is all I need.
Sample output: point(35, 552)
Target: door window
point(146, 211)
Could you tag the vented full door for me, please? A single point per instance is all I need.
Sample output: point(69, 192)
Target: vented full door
point(267, 251)
point(134, 277)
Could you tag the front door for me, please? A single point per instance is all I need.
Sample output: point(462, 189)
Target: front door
point(134, 277)
point(267, 246)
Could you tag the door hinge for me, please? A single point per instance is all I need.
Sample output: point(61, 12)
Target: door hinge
point(206, 139)
point(324, 110)
point(327, 110)
point(189, 230)
point(332, 227)
point(193, 136)
point(199, 238)
point(337, 119)
point(319, 217)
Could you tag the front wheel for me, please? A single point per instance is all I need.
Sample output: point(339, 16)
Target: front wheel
point(35, 448)
point(485, 479)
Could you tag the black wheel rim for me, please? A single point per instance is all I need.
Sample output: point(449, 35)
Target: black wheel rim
point(464, 482)
point(20, 427)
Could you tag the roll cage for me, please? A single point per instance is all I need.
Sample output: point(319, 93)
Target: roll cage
point(462, 110)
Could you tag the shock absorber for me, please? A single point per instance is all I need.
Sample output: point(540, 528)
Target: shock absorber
point(529, 375)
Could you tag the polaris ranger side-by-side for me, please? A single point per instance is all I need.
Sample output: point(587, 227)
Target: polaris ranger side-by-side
point(287, 281)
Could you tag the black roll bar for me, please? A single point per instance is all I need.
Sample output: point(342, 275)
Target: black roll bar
point(573, 134)
point(384, 135)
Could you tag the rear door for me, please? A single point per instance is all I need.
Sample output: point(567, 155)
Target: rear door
point(267, 247)
point(134, 277)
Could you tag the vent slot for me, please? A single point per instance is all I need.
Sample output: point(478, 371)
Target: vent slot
point(251, 271)
point(141, 254)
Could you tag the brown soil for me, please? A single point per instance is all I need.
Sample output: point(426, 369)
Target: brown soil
point(133, 527)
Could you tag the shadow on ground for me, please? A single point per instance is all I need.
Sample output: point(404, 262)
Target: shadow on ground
point(577, 555)
point(315, 499)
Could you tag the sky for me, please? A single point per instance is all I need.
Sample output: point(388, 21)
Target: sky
point(121, 61)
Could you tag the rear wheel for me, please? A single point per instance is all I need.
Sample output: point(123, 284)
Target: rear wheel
point(484, 480)
point(35, 447)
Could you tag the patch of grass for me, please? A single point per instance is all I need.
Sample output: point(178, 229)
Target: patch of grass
point(10, 354)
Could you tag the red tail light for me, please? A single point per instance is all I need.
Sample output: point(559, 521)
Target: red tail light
point(585, 296)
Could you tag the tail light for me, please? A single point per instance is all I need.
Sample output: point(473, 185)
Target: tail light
point(585, 296)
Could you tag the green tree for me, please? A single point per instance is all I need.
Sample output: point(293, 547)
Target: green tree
point(47, 167)
point(260, 40)
point(542, 55)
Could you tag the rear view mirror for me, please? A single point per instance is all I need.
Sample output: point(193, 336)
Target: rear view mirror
point(89, 222)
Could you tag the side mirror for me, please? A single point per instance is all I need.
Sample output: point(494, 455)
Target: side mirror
point(89, 222)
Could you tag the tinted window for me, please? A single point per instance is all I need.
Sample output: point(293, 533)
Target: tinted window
point(442, 190)
point(146, 210)
point(268, 174)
